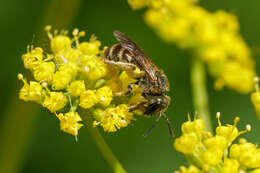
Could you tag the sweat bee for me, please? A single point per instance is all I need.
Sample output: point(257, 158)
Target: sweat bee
point(128, 56)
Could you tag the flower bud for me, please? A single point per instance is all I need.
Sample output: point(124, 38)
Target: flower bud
point(55, 102)
point(88, 99)
point(59, 43)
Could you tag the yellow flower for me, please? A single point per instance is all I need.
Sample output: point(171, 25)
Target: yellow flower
point(90, 48)
point(76, 69)
point(44, 72)
point(226, 20)
point(69, 122)
point(256, 171)
point(31, 92)
point(94, 68)
point(230, 166)
point(70, 68)
point(136, 4)
point(126, 80)
point(255, 98)
point(72, 55)
point(88, 99)
point(219, 142)
point(187, 143)
point(196, 126)
point(104, 95)
point(59, 43)
point(60, 80)
point(247, 154)
point(63, 76)
point(115, 84)
point(212, 156)
point(217, 153)
point(116, 117)
point(55, 101)
point(214, 54)
point(190, 169)
point(76, 88)
point(32, 58)
point(212, 37)
point(238, 77)
point(230, 132)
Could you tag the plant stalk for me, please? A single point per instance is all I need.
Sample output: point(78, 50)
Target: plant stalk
point(199, 91)
point(105, 150)
point(20, 118)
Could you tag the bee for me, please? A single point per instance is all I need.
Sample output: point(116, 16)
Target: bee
point(128, 56)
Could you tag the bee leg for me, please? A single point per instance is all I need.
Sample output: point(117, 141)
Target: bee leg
point(131, 69)
point(136, 105)
point(125, 93)
point(154, 124)
point(169, 125)
point(121, 65)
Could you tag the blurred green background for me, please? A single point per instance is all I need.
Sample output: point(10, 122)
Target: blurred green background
point(30, 138)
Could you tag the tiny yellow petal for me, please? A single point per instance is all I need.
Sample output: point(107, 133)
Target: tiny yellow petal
point(32, 58)
point(60, 42)
point(212, 156)
point(44, 72)
point(88, 99)
point(31, 92)
point(116, 117)
point(55, 102)
point(104, 95)
point(196, 126)
point(69, 122)
point(76, 88)
point(219, 142)
point(90, 49)
point(60, 80)
point(187, 143)
point(94, 68)
point(230, 166)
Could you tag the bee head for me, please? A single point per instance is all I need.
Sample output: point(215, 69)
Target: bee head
point(157, 105)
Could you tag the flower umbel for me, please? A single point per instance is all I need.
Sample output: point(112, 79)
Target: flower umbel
point(212, 37)
point(71, 77)
point(218, 154)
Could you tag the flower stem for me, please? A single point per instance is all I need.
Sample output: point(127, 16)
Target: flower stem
point(20, 118)
point(199, 91)
point(105, 150)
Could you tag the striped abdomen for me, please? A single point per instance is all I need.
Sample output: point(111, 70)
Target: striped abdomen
point(117, 53)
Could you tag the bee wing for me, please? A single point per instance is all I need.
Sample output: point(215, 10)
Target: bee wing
point(141, 58)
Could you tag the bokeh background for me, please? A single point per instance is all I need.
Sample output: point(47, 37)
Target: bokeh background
point(30, 139)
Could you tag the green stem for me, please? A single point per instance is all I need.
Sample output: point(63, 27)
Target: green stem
point(20, 118)
point(199, 91)
point(105, 150)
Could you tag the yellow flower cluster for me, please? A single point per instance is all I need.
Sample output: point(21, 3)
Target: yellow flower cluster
point(218, 154)
point(213, 37)
point(72, 76)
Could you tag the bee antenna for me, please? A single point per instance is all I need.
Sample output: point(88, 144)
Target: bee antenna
point(154, 124)
point(169, 125)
